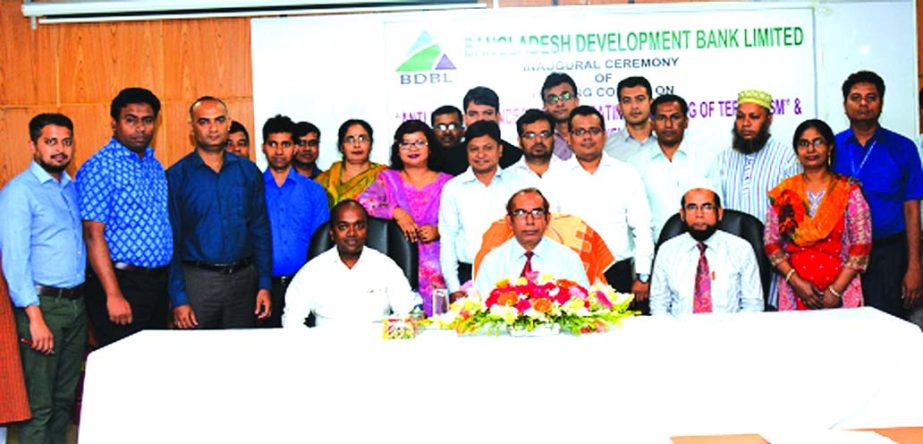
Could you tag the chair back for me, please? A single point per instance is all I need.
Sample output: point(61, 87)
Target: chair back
point(739, 224)
point(383, 235)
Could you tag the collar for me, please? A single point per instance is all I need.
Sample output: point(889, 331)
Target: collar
point(124, 151)
point(468, 176)
point(654, 151)
point(851, 136)
point(43, 176)
point(540, 250)
point(197, 161)
point(289, 177)
point(625, 136)
point(711, 242)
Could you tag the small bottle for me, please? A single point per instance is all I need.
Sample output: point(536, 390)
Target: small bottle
point(440, 301)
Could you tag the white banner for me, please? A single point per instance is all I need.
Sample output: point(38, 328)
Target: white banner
point(387, 68)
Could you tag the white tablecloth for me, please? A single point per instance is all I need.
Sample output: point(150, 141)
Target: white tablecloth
point(649, 379)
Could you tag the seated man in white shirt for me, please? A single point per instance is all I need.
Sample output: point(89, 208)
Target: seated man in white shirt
point(705, 270)
point(528, 250)
point(348, 283)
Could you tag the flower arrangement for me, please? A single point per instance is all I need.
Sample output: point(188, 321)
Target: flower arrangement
point(541, 302)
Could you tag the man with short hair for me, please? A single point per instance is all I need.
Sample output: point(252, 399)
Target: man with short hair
point(126, 223)
point(480, 104)
point(349, 283)
point(888, 166)
point(447, 125)
point(669, 165)
point(239, 140)
point(44, 260)
point(297, 206)
point(634, 95)
point(535, 128)
point(755, 162)
point(529, 251)
point(470, 202)
point(623, 218)
point(307, 148)
point(559, 96)
point(705, 270)
point(222, 242)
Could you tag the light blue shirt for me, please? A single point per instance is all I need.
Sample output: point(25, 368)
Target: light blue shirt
point(666, 180)
point(508, 260)
point(735, 277)
point(622, 146)
point(41, 234)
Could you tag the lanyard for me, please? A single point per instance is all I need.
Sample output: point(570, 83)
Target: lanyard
point(852, 160)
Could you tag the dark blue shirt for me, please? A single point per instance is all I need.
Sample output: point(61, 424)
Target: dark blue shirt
point(889, 169)
point(296, 209)
point(128, 194)
point(217, 218)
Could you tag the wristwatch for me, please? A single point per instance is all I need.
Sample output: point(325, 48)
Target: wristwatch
point(643, 278)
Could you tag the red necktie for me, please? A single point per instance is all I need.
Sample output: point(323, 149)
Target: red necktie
point(702, 301)
point(527, 268)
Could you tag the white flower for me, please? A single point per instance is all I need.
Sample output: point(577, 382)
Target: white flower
point(507, 314)
point(535, 314)
point(575, 306)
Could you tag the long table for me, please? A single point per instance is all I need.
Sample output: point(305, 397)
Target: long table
point(652, 378)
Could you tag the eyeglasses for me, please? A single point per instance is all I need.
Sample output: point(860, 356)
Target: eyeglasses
point(448, 126)
point(415, 144)
point(565, 96)
point(301, 142)
point(705, 207)
point(360, 139)
point(593, 130)
point(521, 213)
point(804, 143)
point(531, 135)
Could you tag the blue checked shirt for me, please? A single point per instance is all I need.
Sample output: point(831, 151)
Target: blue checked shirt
point(40, 234)
point(128, 194)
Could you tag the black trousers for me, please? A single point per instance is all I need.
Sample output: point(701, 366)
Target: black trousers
point(884, 277)
point(621, 277)
point(146, 294)
point(277, 294)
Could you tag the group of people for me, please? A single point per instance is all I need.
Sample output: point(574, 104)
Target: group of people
point(212, 242)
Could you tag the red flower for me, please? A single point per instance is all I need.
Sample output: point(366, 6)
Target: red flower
point(601, 297)
point(523, 305)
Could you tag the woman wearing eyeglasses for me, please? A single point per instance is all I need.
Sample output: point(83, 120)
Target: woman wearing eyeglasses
point(818, 232)
point(348, 178)
point(409, 192)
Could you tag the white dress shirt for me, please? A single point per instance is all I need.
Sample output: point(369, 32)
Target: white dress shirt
point(667, 180)
point(613, 202)
point(735, 277)
point(337, 294)
point(508, 260)
point(466, 210)
point(745, 179)
point(523, 177)
point(622, 146)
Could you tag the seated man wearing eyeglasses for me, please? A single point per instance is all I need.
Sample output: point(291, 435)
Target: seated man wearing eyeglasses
point(529, 251)
point(705, 270)
point(559, 94)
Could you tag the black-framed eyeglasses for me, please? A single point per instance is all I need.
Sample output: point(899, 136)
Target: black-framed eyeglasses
point(804, 143)
point(705, 207)
point(448, 126)
point(360, 139)
point(404, 145)
point(593, 130)
point(521, 213)
point(531, 135)
point(300, 142)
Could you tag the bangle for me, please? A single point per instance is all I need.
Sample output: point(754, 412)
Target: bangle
point(789, 274)
point(834, 292)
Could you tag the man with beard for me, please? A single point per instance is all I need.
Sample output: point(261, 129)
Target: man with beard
point(222, 243)
point(307, 148)
point(755, 162)
point(239, 140)
point(559, 94)
point(634, 95)
point(705, 270)
point(889, 168)
point(535, 138)
point(348, 283)
point(447, 125)
point(44, 259)
point(669, 165)
point(480, 104)
point(296, 205)
point(126, 223)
